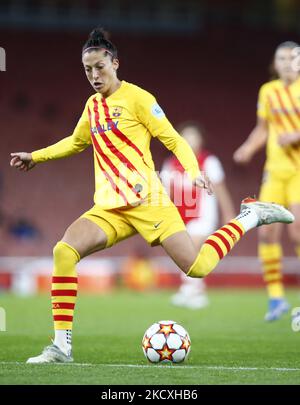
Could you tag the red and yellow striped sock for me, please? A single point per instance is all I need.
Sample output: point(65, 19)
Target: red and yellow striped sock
point(270, 255)
point(64, 285)
point(218, 245)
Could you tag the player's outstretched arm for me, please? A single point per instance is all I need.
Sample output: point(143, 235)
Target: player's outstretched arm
point(255, 141)
point(22, 161)
point(288, 139)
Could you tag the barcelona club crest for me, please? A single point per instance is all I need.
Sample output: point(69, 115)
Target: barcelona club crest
point(117, 111)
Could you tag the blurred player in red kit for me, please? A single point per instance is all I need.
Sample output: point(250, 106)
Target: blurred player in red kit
point(199, 211)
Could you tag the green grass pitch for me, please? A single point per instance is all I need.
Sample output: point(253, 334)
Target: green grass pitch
point(231, 344)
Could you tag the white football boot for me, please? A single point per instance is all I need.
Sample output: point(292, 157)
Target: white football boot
point(51, 354)
point(268, 213)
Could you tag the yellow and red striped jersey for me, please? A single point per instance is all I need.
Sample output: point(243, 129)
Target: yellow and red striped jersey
point(120, 128)
point(279, 105)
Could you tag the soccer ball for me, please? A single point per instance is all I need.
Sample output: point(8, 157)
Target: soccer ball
point(166, 341)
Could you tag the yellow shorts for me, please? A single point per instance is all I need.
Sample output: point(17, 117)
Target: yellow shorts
point(281, 189)
point(153, 222)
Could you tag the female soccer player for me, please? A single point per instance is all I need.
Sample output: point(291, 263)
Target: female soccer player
point(278, 125)
point(199, 211)
point(118, 121)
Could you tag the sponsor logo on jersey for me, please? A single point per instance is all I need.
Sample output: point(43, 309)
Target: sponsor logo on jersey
point(105, 127)
point(157, 111)
point(157, 225)
point(117, 111)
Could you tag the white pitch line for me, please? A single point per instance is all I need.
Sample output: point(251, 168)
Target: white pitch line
point(178, 367)
point(173, 367)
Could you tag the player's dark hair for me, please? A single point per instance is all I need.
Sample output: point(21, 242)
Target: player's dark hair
point(285, 44)
point(98, 38)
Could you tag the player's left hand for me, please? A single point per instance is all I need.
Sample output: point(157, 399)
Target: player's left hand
point(203, 181)
point(289, 139)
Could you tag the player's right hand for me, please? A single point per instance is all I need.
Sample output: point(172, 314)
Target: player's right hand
point(22, 161)
point(203, 181)
point(242, 155)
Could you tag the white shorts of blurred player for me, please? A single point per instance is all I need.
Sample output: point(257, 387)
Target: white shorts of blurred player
point(192, 291)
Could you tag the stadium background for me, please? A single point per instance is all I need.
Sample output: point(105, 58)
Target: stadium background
point(204, 60)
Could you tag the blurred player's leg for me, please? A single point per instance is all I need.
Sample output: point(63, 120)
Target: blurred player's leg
point(270, 251)
point(219, 244)
point(81, 238)
point(271, 260)
point(294, 229)
point(270, 254)
point(286, 192)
